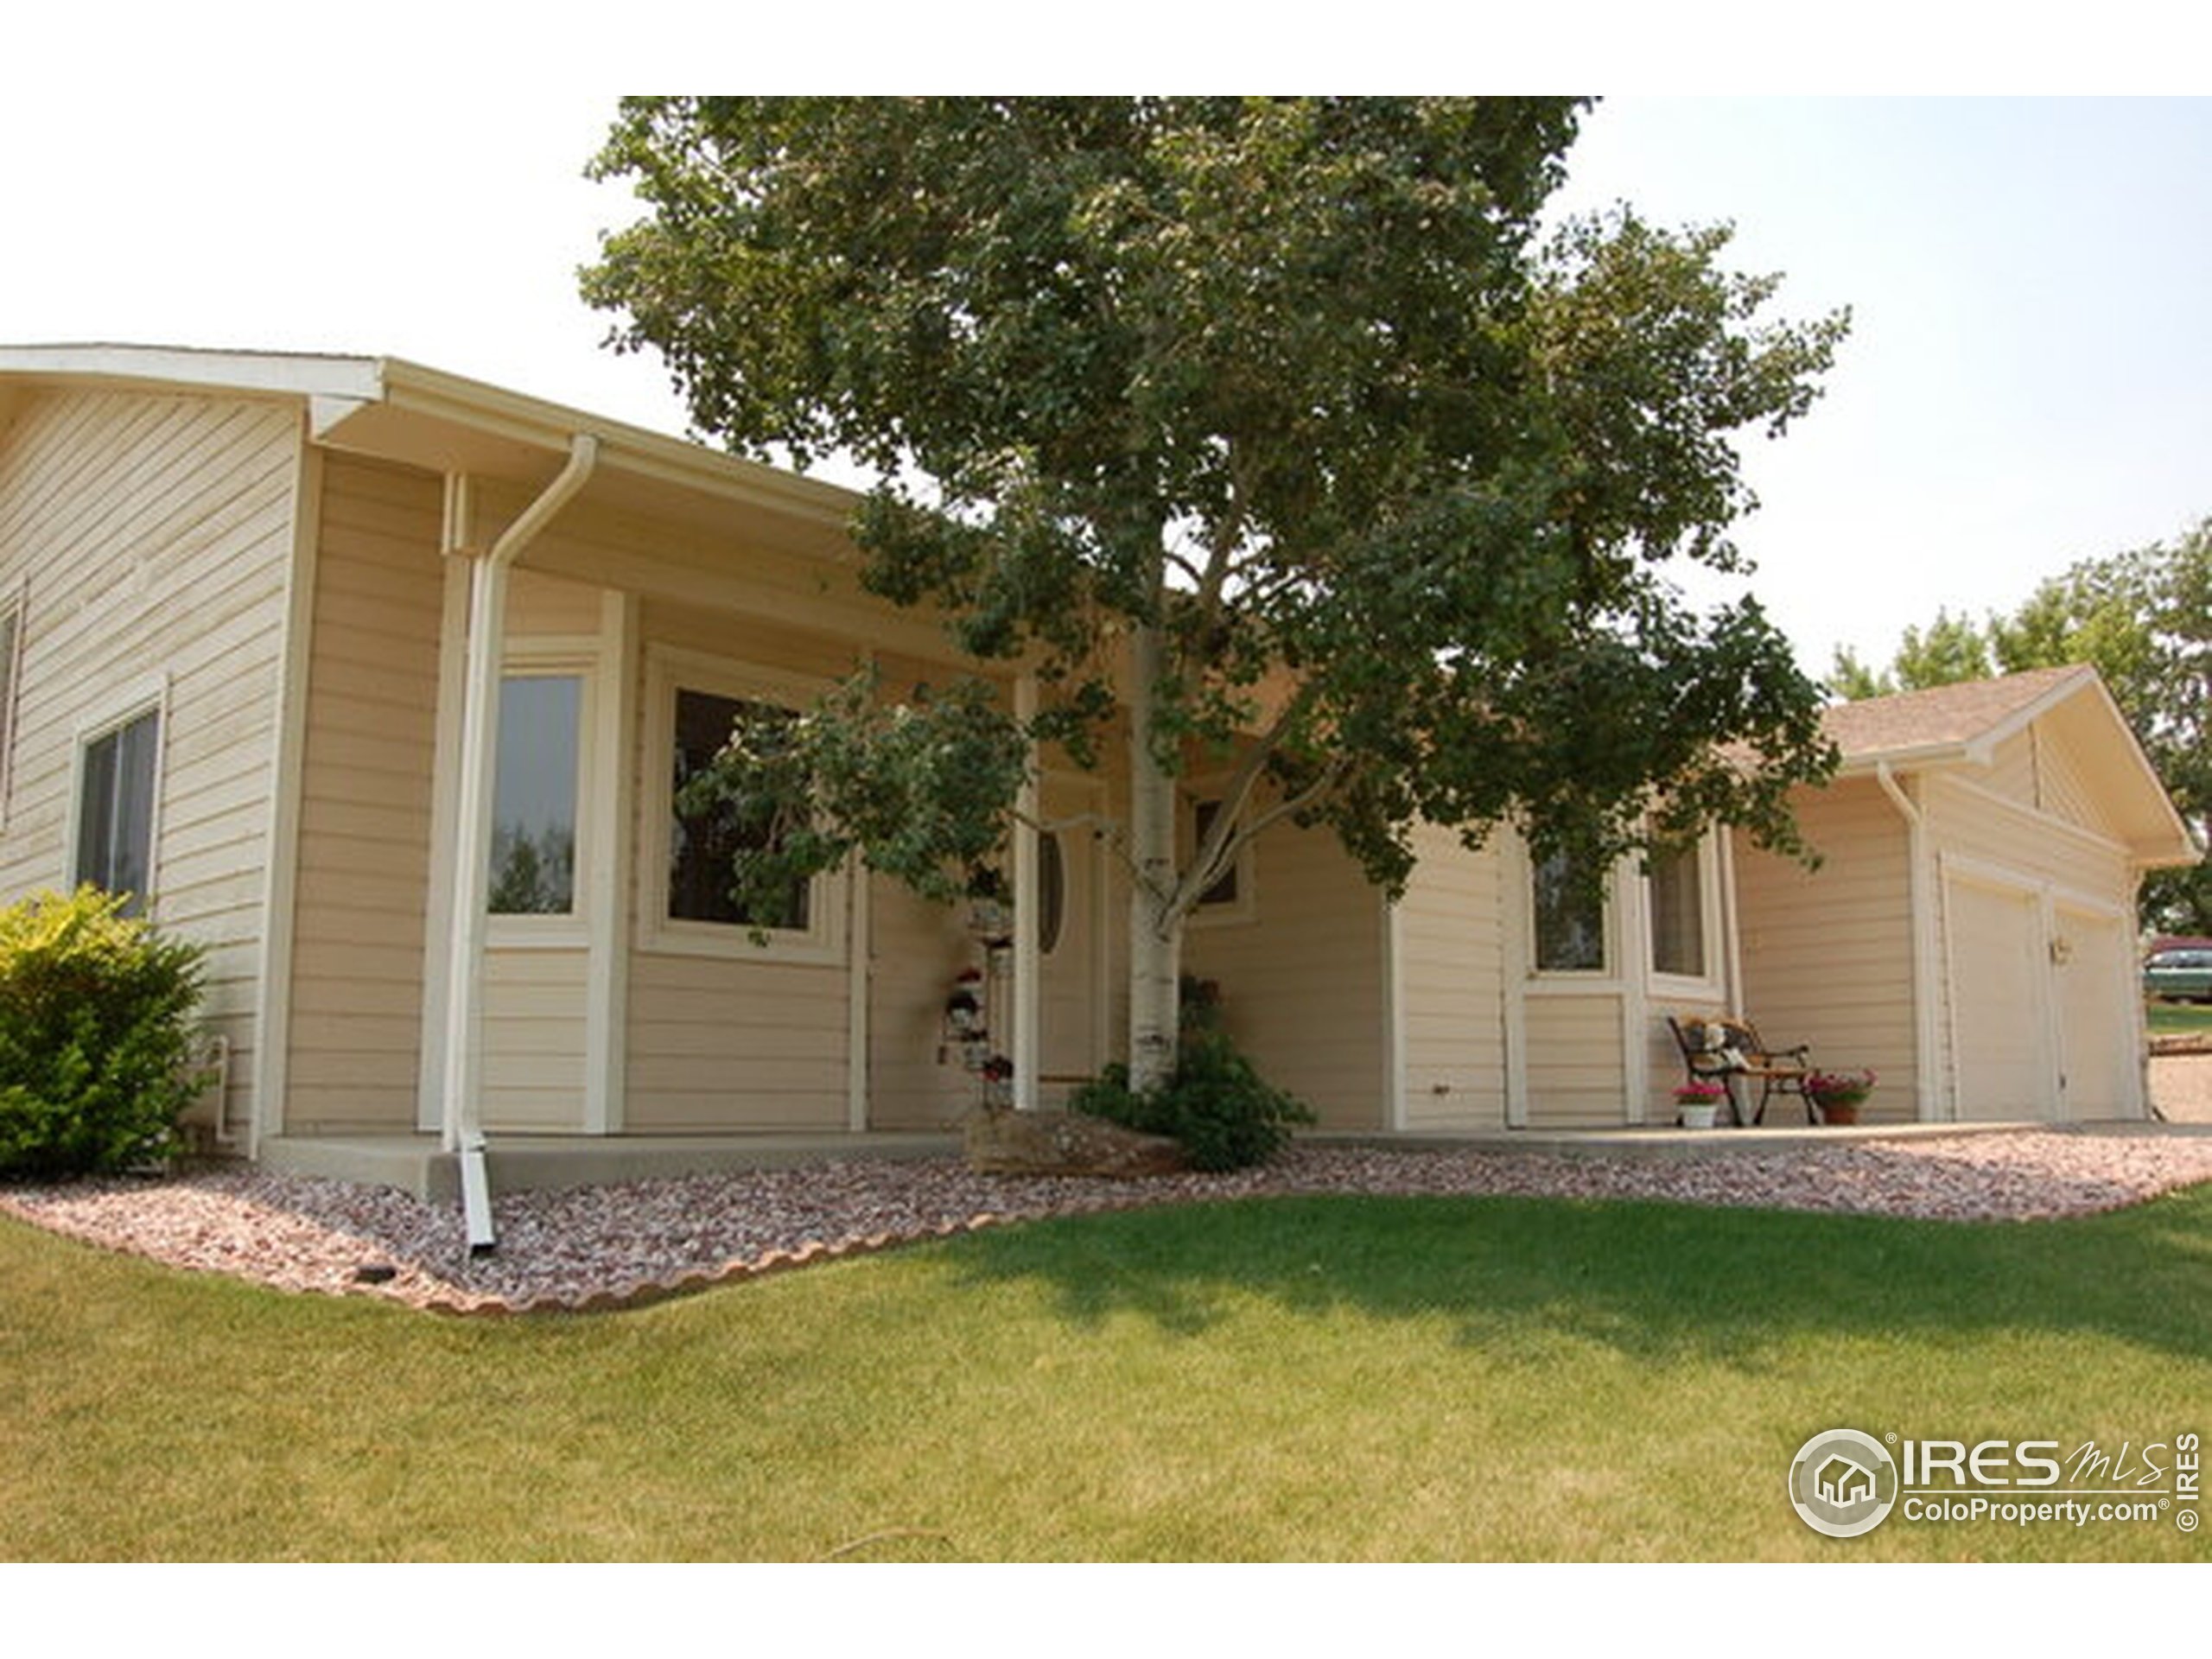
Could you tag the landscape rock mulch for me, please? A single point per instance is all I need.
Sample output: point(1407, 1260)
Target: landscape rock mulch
point(586, 1249)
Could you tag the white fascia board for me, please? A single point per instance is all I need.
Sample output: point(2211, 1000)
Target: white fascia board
point(412, 388)
point(274, 373)
point(1915, 757)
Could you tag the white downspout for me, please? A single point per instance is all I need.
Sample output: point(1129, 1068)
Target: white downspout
point(1923, 950)
point(462, 1128)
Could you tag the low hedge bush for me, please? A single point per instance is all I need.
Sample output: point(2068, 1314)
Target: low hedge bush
point(96, 1036)
point(1225, 1115)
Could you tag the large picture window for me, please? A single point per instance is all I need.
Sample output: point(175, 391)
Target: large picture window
point(702, 844)
point(1570, 913)
point(534, 800)
point(115, 808)
point(688, 851)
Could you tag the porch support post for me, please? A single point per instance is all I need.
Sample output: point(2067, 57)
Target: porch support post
point(462, 1120)
point(1026, 991)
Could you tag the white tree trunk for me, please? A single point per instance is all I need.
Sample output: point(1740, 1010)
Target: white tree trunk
point(1155, 924)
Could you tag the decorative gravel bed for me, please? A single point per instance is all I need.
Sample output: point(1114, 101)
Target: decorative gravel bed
point(604, 1246)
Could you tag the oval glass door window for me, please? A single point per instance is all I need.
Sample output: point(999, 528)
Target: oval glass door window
point(1051, 890)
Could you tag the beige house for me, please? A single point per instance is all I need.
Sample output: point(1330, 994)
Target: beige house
point(1972, 934)
point(1969, 935)
point(379, 682)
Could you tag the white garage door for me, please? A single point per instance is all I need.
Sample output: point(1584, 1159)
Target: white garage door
point(1997, 956)
point(2094, 976)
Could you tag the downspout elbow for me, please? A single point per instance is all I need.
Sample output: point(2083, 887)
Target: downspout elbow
point(1898, 798)
point(583, 458)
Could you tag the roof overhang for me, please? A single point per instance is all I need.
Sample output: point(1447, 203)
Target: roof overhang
point(390, 408)
point(2081, 707)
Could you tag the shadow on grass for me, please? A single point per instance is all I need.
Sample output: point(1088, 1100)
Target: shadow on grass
point(1650, 1279)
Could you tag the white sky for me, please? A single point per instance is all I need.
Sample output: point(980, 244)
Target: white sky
point(2024, 384)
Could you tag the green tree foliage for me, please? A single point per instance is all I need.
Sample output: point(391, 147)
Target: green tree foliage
point(96, 1036)
point(2143, 619)
point(1261, 429)
point(1952, 650)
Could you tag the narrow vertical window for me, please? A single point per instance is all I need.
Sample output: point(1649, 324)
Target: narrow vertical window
point(1678, 915)
point(1570, 906)
point(534, 800)
point(1051, 890)
point(115, 809)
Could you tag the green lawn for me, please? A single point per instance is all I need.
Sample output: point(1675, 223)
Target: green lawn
point(2166, 1018)
point(1467, 1379)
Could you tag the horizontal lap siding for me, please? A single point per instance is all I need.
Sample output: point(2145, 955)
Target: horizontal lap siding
point(540, 604)
point(153, 534)
point(1828, 953)
point(365, 808)
point(1576, 1076)
point(533, 1025)
point(1301, 982)
point(1966, 823)
point(916, 949)
point(1452, 987)
point(721, 1045)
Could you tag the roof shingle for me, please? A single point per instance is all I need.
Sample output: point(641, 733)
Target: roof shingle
point(1944, 715)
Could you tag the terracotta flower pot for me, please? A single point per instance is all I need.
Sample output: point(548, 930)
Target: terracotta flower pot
point(1837, 1111)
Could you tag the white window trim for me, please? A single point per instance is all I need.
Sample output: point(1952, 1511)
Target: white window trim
point(823, 942)
point(1244, 909)
point(1708, 986)
point(543, 657)
point(111, 714)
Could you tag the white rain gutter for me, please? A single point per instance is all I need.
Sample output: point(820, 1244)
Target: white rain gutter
point(462, 1121)
point(1923, 920)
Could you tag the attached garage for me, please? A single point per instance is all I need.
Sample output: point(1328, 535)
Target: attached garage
point(1970, 933)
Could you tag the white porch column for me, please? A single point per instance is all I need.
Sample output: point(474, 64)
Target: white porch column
point(1027, 991)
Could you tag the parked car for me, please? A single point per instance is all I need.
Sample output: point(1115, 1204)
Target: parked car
point(2179, 975)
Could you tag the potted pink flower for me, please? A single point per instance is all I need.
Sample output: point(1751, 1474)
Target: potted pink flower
point(1698, 1103)
point(1839, 1095)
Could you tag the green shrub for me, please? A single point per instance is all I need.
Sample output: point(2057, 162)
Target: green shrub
point(96, 1036)
point(1225, 1114)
